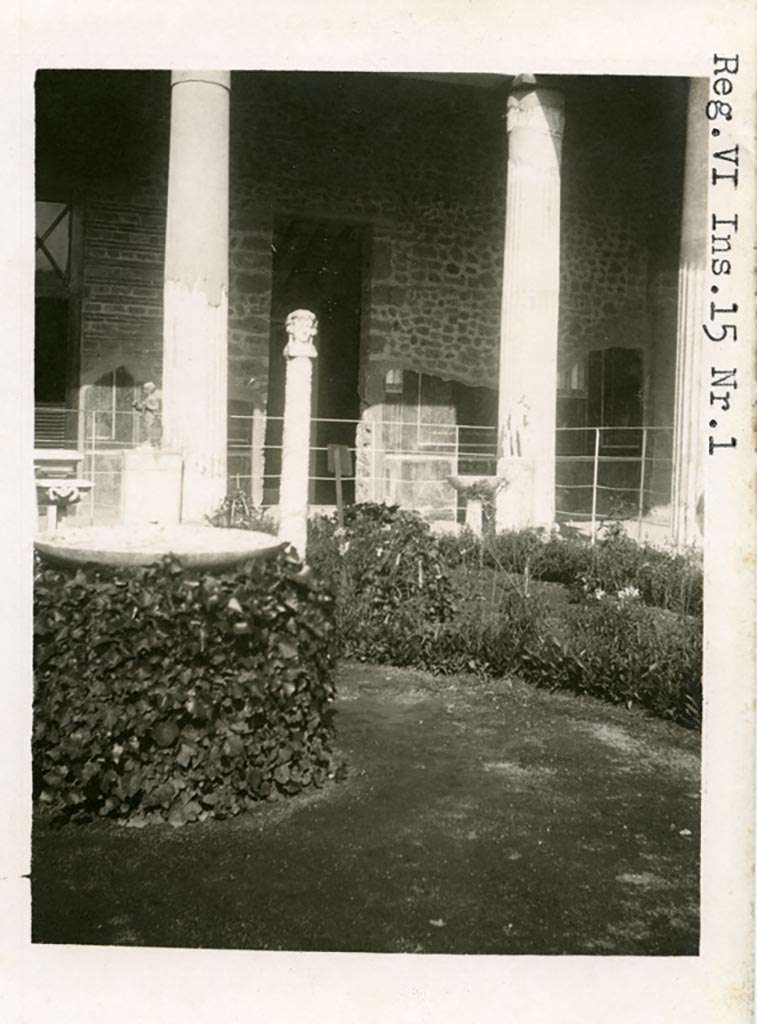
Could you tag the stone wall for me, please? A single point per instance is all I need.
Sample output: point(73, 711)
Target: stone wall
point(621, 183)
point(122, 300)
point(250, 272)
point(603, 283)
point(422, 163)
point(416, 161)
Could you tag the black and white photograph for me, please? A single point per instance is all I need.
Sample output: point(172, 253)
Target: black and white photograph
point(387, 581)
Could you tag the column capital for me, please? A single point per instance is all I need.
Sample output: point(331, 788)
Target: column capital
point(535, 108)
point(222, 78)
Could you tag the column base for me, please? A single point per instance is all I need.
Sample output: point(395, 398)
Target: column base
point(514, 502)
point(474, 516)
point(151, 487)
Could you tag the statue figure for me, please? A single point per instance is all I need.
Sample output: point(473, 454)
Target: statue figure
point(151, 428)
point(514, 430)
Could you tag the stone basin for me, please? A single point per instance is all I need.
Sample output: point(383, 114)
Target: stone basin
point(196, 547)
point(486, 484)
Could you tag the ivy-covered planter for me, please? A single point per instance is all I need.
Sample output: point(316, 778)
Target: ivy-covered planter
point(166, 696)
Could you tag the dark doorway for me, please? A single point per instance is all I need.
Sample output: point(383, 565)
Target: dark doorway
point(615, 403)
point(615, 391)
point(317, 265)
point(50, 349)
point(55, 324)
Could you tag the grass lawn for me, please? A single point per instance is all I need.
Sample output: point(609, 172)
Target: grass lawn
point(477, 817)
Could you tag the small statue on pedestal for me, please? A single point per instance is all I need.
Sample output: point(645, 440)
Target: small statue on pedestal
point(150, 428)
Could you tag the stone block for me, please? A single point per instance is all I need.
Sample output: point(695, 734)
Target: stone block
point(151, 487)
point(514, 500)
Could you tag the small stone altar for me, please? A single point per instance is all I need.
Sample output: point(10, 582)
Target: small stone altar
point(58, 483)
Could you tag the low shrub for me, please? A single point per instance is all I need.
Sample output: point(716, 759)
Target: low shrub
point(325, 546)
point(237, 512)
point(387, 570)
point(616, 649)
point(165, 696)
point(673, 581)
point(665, 579)
point(461, 550)
point(625, 653)
point(489, 641)
point(483, 639)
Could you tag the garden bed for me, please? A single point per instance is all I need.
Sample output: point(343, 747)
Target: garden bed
point(614, 620)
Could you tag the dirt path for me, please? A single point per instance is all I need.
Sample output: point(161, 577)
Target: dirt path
point(477, 818)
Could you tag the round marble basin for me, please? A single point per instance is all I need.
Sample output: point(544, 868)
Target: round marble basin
point(196, 547)
point(488, 484)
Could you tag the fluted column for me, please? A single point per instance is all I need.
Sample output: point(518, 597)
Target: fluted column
point(196, 287)
point(689, 420)
point(299, 353)
point(530, 291)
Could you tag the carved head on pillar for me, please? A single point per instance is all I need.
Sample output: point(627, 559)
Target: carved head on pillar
point(301, 328)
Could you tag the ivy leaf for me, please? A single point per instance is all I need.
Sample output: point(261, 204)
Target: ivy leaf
point(137, 821)
point(177, 816)
point(185, 755)
point(287, 650)
point(158, 710)
point(165, 734)
point(234, 746)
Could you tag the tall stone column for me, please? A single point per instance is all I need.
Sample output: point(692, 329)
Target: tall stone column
point(196, 287)
point(300, 352)
point(663, 307)
point(530, 291)
point(689, 420)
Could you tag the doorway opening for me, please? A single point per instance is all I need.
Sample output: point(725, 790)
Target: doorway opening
point(55, 325)
point(317, 265)
point(615, 402)
point(615, 396)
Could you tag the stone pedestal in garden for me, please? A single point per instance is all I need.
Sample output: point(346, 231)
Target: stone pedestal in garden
point(514, 501)
point(300, 352)
point(59, 487)
point(476, 490)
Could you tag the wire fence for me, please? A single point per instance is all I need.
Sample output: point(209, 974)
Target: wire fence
point(601, 473)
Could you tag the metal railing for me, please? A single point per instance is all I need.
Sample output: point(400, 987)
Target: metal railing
point(601, 473)
point(614, 473)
